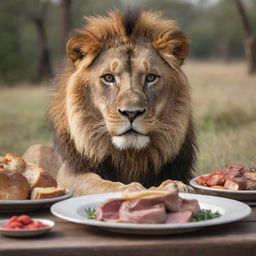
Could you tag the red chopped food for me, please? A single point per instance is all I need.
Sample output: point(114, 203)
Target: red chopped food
point(24, 219)
point(152, 209)
point(235, 177)
point(36, 225)
point(23, 222)
point(13, 225)
point(202, 180)
point(216, 179)
point(13, 218)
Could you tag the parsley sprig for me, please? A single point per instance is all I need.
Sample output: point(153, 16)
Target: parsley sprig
point(90, 213)
point(206, 215)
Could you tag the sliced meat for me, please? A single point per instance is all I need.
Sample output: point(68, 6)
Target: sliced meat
point(202, 180)
point(191, 205)
point(235, 179)
point(109, 210)
point(216, 179)
point(250, 175)
point(135, 211)
point(233, 171)
point(150, 209)
point(237, 182)
point(251, 184)
point(236, 167)
point(231, 174)
point(172, 201)
point(179, 217)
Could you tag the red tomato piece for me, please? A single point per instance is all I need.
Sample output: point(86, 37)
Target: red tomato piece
point(13, 225)
point(13, 218)
point(40, 225)
point(30, 226)
point(25, 219)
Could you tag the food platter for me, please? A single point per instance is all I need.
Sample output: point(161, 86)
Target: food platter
point(248, 196)
point(73, 210)
point(30, 204)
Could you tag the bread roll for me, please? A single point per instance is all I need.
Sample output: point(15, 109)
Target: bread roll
point(42, 193)
point(13, 185)
point(12, 162)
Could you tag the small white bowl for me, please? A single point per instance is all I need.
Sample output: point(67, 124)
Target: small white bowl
point(27, 232)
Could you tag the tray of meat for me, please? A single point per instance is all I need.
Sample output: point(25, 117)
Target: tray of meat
point(150, 212)
point(235, 182)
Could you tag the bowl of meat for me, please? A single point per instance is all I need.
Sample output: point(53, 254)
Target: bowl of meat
point(150, 212)
point(235, 182)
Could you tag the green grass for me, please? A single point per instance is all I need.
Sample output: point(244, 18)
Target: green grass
point(225, 113)
point(23, 118)
point(224, 109)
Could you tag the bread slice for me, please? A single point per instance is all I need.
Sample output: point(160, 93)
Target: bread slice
point(42, 193)
point(38, 177)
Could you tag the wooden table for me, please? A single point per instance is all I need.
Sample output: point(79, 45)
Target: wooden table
point(236, 239)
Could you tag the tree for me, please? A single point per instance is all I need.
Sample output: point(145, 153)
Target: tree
point(250, 41)
point(66, 23)
point(44, 63)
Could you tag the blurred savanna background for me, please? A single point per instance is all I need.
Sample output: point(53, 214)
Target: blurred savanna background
point(221, 69)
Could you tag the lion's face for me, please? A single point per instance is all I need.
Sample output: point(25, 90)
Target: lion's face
point(131, 92)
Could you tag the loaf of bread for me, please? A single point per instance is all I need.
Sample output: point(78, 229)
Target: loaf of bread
point(13, 185)
point(42, 193)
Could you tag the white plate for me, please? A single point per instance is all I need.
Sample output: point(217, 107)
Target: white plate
point(241, 195)
point(27, 232)
point(74, 210)
point(31, 205)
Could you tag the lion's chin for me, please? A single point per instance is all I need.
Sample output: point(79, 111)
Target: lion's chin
point(135, 141)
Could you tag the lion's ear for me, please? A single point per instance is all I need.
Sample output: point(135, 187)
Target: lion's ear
point(74, 48)
point(82, 46)
point(171, 46)
point(180, 46)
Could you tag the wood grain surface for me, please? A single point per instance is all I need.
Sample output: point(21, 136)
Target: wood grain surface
point(67, 238)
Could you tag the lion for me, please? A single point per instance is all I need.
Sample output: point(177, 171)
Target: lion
point(121, 110)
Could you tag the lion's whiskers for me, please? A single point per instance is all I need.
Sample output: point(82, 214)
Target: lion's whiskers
point(100, 127)
point(162, 127)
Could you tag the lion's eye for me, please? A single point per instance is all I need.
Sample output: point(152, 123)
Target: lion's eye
point(151, 78)
point(108, 78)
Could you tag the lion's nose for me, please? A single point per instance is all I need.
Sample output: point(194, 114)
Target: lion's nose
point(132, 114)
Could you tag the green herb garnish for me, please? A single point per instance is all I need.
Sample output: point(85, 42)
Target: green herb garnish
point(90, 213)
point(205, 215)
